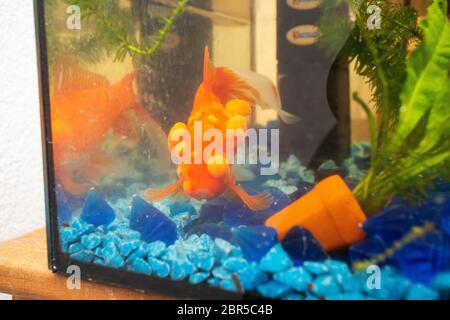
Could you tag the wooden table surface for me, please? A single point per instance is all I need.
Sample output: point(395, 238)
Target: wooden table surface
point(25, 275)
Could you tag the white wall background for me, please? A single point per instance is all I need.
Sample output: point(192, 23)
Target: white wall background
point(21, 177)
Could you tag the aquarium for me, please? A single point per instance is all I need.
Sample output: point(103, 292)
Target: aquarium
point(294, 150)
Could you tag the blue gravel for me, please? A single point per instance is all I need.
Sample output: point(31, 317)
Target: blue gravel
point(276, 260)
point(130, 239)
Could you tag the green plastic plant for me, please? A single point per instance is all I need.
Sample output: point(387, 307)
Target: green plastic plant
point(113, 31)
point(410, 153)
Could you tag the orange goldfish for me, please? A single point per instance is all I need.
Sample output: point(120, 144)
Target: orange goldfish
point(84, 106)
point(223, 101)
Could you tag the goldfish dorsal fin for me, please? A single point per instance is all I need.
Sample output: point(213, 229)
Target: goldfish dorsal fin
point(71, 77)
point(208, 71)
point(250, 86)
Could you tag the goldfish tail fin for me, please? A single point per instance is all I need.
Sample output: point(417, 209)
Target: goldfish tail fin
point(68, 76)
point(160, 194)
point(250, 86)
point(256, 202)
point(208, 71)
point(127, 81)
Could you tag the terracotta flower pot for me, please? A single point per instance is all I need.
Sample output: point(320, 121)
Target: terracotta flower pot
point(330, 212)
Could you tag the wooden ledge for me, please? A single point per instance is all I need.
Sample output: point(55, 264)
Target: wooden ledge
point(25, 275)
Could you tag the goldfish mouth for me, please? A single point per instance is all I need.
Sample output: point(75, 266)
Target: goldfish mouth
point(203, 194)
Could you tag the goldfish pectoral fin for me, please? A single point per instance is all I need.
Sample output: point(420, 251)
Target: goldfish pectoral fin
point(242, 174)
point(258, 202)
point(159, 194)
point(180, 196)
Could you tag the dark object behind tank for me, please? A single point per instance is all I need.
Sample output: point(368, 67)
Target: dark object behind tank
point(166, 94)
point(314, 87)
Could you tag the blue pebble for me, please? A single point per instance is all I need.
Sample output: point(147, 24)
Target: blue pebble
point(251, 277)
point(201, 260)
point(325, 285)
point(442, 282)
point(75, 247)
point(337, 267)
point(272, 289)
point(97, 211)
point(276, 260)
point(206, 243)
point(161, 268)
point(79, 224)
point(393, 287)
point(99, 261)
point(69, 235)
point(255, 242)
point(222, 247)
point(316, 268)
point(125, 233)
point(81, 228)
point(99, 252)
point(141, 266)
point(187, 266)
point(83, 256)
point(126, 247)
point(292, 296)
point(156, 249)
point(111, 256)
point(177, 272)
point(111, 237)
point(297, 278)
point(152, 224)
point(350, 283)
point(100, 229)
point(214, 282)
point(91, 241)
point(221, 273)
point(234, 264)
point(198, 277)
point(421, 292)
point(229, 285)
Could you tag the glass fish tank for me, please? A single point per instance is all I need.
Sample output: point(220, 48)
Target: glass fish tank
point(241, 149)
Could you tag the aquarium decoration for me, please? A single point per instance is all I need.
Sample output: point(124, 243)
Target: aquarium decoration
point(212, 229)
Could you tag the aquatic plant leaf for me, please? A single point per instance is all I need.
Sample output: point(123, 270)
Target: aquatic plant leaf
point(255, 242)
point(412, 154)
point(152, 224)
point(96, 210)
point(427, 71)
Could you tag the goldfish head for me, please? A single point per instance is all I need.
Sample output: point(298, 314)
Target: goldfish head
point(204, 181)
